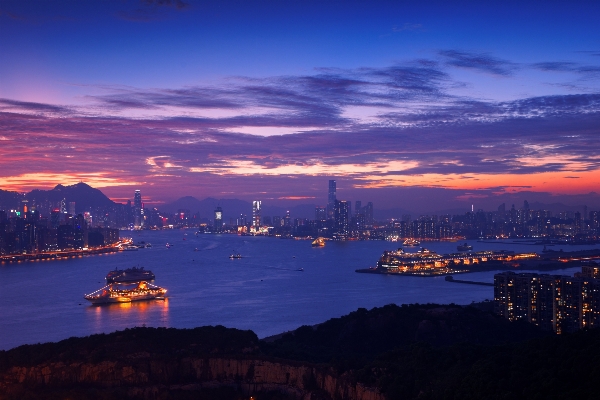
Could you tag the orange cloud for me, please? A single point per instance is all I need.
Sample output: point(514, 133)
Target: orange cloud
point(553, 182)
point(47, 180)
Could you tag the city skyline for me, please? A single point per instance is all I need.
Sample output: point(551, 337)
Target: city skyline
point(424, 107)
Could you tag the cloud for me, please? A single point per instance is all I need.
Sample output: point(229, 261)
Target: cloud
point(30, 107)
point(407, 26)
point(11, 15)
point(479, 62)
point(586, 71)
point(178, 4)
point(152, 10)
point(395, 126)
point(561, 66)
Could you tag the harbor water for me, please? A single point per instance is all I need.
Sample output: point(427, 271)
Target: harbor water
point(277, 285)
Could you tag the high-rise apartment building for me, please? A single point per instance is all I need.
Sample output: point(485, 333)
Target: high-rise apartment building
point(341, 217)
point(368, 211)
point(552, 302)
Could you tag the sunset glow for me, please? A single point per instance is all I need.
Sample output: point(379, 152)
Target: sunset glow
point(271, 100)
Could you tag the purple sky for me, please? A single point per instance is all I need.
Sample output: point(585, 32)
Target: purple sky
point(422, 107)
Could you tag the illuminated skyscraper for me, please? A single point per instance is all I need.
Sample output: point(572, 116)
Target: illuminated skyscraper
point(256, 213)
point(137, 209)
point(331, 198)
point(218, 219)
point(342, 217)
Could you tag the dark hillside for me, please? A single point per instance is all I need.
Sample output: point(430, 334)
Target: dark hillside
point(363, 334)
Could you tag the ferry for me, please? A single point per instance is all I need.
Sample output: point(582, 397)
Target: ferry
point(119, 293)
point(411, 242)
point(318, 242)
point(129, 275)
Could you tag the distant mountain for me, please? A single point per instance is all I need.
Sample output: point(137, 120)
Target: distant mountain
point(233, 208)
point(554, 207)
point(84, 196)
point(9, 200)
point(385, 214)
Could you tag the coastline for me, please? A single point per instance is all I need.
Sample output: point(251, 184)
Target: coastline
point(56, 255)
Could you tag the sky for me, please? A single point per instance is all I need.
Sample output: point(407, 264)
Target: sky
point(416, 105)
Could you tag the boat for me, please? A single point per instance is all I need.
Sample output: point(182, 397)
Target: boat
point(318, 242)
point(126, 293)
point(464, 247)
point(130, 248)
point(234, 256)
point(129, 275)
point(148, 245)
point(411, 242)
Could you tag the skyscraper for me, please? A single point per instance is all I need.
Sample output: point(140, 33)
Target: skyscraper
point(218, 224)
point(256, 213)
point(341, 217)
point(368, 211)
point(358, 207)
point(137, 209)
point(331, 198)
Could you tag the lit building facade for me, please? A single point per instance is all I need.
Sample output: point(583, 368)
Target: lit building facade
point(342, 213)
point(218, 221)
point(138, 210)
point(256, 205)
point(552, 302)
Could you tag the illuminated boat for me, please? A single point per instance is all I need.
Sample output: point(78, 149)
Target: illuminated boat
point(126, 293)
point(318, 242)
point(411, 242)
point(234, 256)
point(129, 275)
point(130, 248)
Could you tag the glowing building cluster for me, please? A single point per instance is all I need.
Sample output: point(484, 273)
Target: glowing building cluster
point(553, 302)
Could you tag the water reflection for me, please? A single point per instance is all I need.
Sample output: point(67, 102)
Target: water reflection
point(137, 313)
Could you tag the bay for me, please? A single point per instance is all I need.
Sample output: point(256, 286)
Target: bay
point(277, 285)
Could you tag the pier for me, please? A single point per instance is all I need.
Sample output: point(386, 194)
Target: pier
point(450, 278)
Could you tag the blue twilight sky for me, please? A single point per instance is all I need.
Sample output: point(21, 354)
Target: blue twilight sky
point(475, 101)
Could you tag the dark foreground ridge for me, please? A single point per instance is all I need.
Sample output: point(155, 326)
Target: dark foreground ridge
point(408, 352)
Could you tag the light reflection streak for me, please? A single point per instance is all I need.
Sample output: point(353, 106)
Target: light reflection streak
point(116, 316)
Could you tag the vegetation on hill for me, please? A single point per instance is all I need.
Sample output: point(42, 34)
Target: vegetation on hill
point(160, 343)
point(362, 334)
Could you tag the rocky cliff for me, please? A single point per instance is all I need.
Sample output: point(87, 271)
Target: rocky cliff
point(142, 377)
